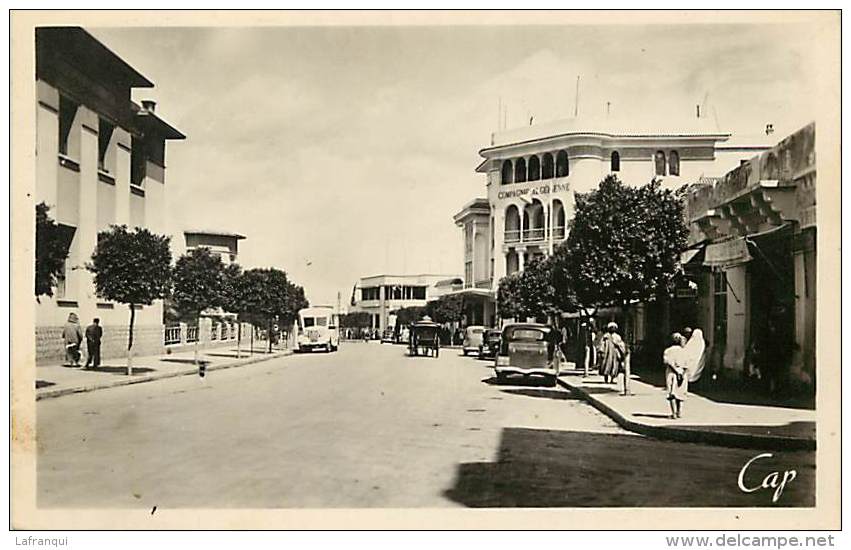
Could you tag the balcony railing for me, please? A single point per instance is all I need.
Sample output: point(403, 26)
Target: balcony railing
point(172, 336)
point(512, 235)
point(558, 232)
point(530, 235)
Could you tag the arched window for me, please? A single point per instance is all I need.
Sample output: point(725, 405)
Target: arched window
point(547, 166)
point(534, 168)
point(512, 224)
point(674, 164)
point(520, 170)
point(507, 172)
point(616, 161)
point(562, 165)
point(660, 163)
point(559, 221)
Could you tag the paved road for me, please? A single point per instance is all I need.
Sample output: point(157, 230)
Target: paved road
point(369, 427)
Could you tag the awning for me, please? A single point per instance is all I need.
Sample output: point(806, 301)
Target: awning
point(728, 253)
point(687, 256)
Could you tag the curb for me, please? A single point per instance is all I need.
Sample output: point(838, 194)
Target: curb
point(723, 439)
point(50, 394)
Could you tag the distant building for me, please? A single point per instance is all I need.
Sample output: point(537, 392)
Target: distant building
point(381, 295)
point(532, 174)
point(100, 160)
point(222, 243)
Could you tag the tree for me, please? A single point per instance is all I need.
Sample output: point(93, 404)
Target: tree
point(624, 244)
point(197, 284)
point(408, 315)
point(264, 294)
point(446, 309)
point(133, 268)
point(356, 319)
point(230, 299)
point(529, 293)
point(51, 251)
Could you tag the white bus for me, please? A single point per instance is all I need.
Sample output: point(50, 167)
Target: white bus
point(318, 328)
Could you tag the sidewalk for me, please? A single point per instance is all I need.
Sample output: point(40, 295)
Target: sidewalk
point(59, 380)
point(704, 420)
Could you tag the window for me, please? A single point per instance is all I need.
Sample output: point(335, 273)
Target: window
point(308, 322)
point(616, 161)
point(369, 293)
point(419, 293)
point(660, 163)
point(67, 113)
point(507, 172)
point(105, 130)
point(562, 164)
point(520, 170)
point(138, 160)
point(547, 166)
point(468, 274)
point(534, 168)
point(674, 164)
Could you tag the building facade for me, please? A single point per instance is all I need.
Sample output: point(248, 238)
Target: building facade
point(221, 243)
point(533, 173)
point(753, 261)
point(381, 295)
point(100, 160)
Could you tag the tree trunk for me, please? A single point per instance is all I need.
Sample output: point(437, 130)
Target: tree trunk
point(130, 341)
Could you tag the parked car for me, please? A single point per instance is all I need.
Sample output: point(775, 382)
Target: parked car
point(490, 343)
point(528, 349)
point(473, 338)
point(388, 336)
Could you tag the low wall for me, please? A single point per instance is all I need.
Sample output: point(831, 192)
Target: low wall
point(147, 340)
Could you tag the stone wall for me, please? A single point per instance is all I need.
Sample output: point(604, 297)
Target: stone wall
point(147, 340)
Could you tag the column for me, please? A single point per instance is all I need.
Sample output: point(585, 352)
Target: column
point(87, 225)
point(500, 268)
point(473, 255)
point(122, 177)
point(382, 297)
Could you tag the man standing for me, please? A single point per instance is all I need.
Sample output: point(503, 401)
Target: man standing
point(612, 351)
point(94, 333)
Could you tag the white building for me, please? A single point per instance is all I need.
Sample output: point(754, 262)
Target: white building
point(532, 174)
point(381, 295)
point(100, 160)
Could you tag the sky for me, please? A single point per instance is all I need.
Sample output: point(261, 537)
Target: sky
point(342, 152)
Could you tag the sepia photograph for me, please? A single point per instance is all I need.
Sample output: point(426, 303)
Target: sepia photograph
point(379, 269)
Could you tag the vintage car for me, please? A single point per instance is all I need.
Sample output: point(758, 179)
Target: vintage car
point(528, 349)
point(473, 338)
point(317, 329)
point(490, 343)
point(424, 338)
point(388, 336)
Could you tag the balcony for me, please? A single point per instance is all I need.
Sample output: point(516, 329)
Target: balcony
point(558, 233)
point(512, 236)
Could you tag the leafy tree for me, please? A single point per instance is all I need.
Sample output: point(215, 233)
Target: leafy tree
point(133, 268)
point(446, 309)
point(51, 251)
point(264, 294)
point(624, 244)
point(197, 284)
point(231, 300)
point(356, 319)
point(528, 293)
point(407, 315)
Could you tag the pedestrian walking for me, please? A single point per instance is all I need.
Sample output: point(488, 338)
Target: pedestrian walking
point(72, 335)
point(94, 333)
point(676, 381)
point(694, 357)
point(612, 351)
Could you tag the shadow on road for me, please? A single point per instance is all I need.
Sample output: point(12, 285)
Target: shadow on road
point(545, 393)
point(184, 361)
point(551, 468)
point(43, 384)
point(531, 381)
point(122, 369)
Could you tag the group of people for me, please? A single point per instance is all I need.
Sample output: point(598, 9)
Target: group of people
point(73, 336)
point(683, 360)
